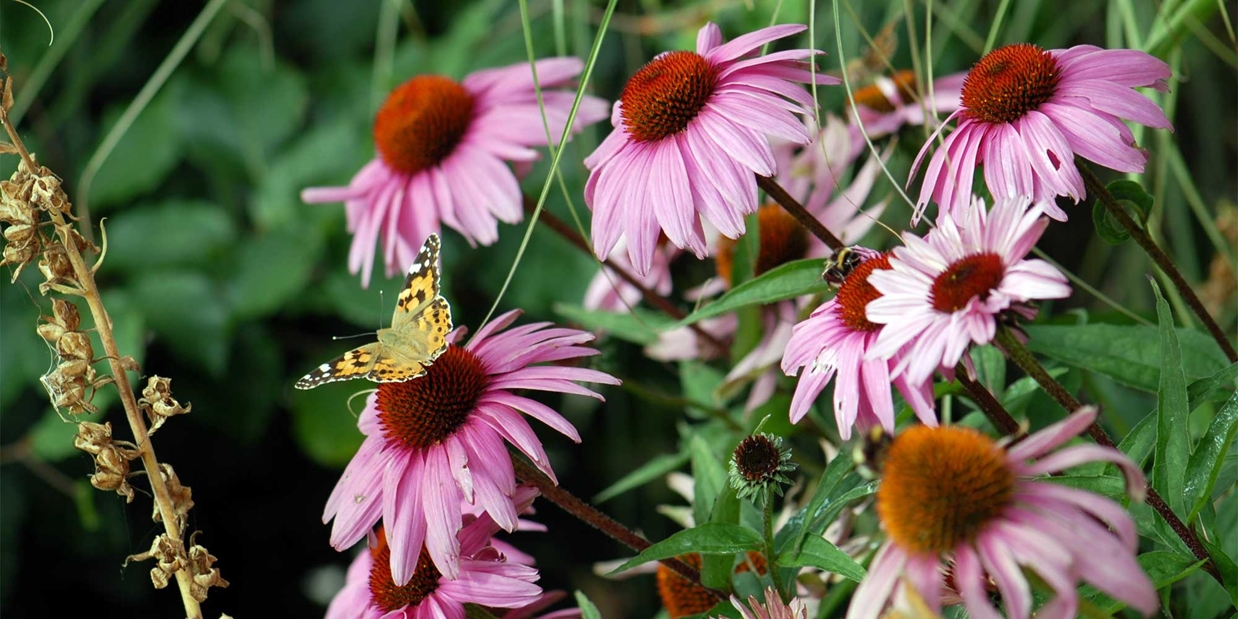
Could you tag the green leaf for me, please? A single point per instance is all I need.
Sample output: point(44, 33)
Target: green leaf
point(990, 367)
point(147, 152)
point(710, 476)
point(1203, 389)
point(1141, 440)
point(327, 154)
point(1227, 568)
point(1133, 199)
point(1205, 463)
point(190, 314)
point(1173, 444)
point(588, 610)
point(709, 538)
point(656, 468)
point(819, 553)
point(716, 569)
point(324, 422)
point(641, 326)
point(787, 281)
point(1129, 354)
point(168, 234)
point(801, 523)
point(271, 269)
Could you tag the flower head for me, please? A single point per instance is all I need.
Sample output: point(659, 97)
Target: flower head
point(834, 341)
point(486, 576)
point(952, 497)
point(436, 442)
point(891, 102)
point(1028, 112)
point(760, 463)
point(689, 135)
point(773, 608)
point(682, 597)
point(947, 290)
point(441, 148)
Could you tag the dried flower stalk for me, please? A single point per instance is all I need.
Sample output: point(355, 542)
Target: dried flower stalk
point(32, 192)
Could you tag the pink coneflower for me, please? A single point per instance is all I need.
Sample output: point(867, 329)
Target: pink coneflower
point(437, 441)
point(609, 292)
point(441, 152)
point(891, 102)
point(945, 291)
point(834, 342)
point(952, 497)
point(773, 608)
point(689, 135)
point(486, 577)
point(1027, 112)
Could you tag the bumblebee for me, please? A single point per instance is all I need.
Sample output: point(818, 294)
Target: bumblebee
point(840, 265)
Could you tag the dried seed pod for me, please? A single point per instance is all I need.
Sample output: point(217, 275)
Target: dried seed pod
point(55, 267)
point(66, 385)
point(47, 192)
point(75, 346)
point(112, 472)
point(169, 556)
point(158, 402)
point(20, 255)
point(93, 437)
point(182, 497)
point(64, 319)
point(205, 575)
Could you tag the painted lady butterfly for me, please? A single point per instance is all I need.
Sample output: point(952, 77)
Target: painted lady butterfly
point(418, 333)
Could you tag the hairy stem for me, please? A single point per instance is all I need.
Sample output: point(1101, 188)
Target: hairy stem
point(1024, 358)
point(771, 561)
point(797, 210)
point(1158, 255)
point(652, 298)
point(997, 414)
point(590, 515)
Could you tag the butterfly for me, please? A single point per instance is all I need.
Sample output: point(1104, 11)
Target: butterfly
point(417, 336)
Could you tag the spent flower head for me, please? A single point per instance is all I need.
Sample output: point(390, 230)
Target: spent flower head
point(760, 463)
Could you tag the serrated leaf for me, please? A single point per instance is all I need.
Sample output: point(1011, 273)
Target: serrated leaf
point(709, 538)
point(819, 553)
point(656, 468)
point(787, 281)
point(1173, 443)
point(1129, 354)
point(1210, 452)
point(168, 234)
point(640, 326)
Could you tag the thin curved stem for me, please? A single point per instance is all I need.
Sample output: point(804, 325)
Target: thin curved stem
point(1024, 358)
point(770, 556)
point(1158, 255)
point(797, 210)
point(652, 298)
point(590, 515)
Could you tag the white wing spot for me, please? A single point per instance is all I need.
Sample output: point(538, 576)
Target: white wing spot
point(326, 367)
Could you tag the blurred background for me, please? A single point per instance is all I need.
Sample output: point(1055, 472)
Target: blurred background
point(220, 278)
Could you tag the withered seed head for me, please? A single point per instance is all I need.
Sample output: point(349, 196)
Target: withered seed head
point(92, 437)
point(55, 267)
point(205, 575)
point(112, 472)
point(67, 386)
point(158, 402)
point(182, 497)
point(64, 318)
point(75, 346)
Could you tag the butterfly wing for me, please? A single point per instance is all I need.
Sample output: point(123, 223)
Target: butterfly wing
point(421, 286)
point(355, 363)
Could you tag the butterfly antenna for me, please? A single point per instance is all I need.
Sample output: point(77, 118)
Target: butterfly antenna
point(352, 397)
point(336, 338)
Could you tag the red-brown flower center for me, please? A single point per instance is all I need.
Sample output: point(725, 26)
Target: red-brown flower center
point(421, 412)
point(941, 486)
point(856, 293)
point(383, 590)
point(421, 122)
point(1010, 82)
point(973, 276)
point(873, 98)
point(682, 597)
point(666, 94)
point(783, 239)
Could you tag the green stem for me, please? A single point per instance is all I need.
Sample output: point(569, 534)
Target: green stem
point(1024, 358)
point(770, 560)
point(1158, 255)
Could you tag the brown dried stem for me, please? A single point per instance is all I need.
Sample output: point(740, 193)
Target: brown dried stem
point(1162, 260)
point(103, 326)
point(1024, 358)
point(570, 503)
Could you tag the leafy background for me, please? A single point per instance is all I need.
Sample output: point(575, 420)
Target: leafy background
point(219, 277)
